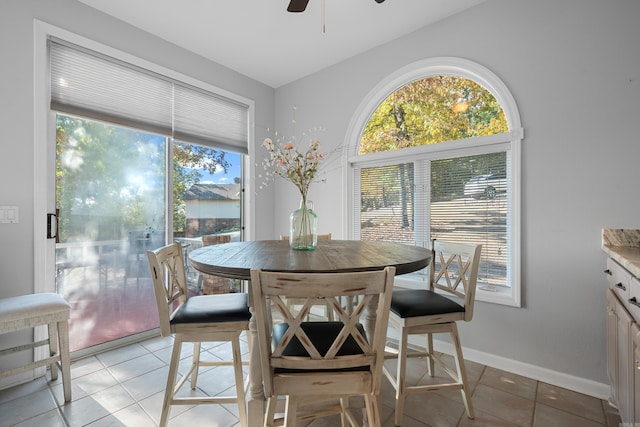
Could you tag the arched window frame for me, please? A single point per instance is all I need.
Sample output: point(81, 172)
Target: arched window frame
point(510, 142)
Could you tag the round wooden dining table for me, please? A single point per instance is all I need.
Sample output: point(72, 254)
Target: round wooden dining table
point(236, 260)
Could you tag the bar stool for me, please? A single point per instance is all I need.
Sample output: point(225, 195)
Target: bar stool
point(29, 311)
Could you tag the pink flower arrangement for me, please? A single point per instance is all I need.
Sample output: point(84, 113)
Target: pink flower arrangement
point(286, 161)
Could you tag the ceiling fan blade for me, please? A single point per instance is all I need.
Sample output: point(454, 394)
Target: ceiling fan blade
point(297, 5)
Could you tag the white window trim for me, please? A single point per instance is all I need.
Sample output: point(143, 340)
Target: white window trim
point(462, 68)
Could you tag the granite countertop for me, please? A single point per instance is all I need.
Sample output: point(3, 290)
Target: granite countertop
point(623, 246)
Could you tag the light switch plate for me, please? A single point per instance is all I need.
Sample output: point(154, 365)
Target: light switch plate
point(9, 214)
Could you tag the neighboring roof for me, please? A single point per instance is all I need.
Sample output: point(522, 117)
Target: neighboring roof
point(213, 192)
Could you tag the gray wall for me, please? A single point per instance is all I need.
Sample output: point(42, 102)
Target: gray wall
point(573, 67)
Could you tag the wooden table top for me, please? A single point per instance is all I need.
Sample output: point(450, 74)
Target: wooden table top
point(236, 260)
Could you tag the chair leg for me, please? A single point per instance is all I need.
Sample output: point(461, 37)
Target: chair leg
point(373, 410)
point(462, 373)
point(270, 411)
point(53, 348)
point(401, 376)
point(290, 411)
point(171, 381)
point(65, 360)
point(344, 405)
point(328, 312)
point(430, 363)
point(237, 369)
point(195, 365)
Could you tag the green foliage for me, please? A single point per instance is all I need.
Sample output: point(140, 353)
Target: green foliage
point(187, 158)
point(430, 111)
point(111, 180)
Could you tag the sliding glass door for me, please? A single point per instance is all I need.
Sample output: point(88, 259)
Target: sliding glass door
point(142, 158)
point(111, 204)
point(115, 199)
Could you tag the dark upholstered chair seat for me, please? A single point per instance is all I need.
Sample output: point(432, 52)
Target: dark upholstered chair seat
point(322, 334)
point(422, 302)
point(213, 309)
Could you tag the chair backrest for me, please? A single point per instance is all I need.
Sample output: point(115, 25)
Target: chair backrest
point(169, 282)
point(343, 343)
point(454, 269)
point(320, 237)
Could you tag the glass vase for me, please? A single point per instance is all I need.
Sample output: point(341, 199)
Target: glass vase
point(303, 230)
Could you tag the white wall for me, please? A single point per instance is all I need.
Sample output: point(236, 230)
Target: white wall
point(573, 67)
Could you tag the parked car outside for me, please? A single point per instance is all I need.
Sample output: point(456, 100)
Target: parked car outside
point(486, 186)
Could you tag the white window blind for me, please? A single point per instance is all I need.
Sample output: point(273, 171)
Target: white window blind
point(457, 199)
point(93, 85)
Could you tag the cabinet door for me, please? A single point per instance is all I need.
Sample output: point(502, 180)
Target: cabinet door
point(635, 399)
point(612, 345)
point(625, 364)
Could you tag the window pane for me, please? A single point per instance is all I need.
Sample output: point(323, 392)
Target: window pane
point(469, 204)
point(110, 195)
point(387, 203)
point(432, 110)
point(206, 206)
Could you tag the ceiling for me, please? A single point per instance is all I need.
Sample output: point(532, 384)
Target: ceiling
point(260, 39)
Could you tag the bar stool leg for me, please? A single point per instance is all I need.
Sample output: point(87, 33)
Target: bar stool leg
point(65, 360)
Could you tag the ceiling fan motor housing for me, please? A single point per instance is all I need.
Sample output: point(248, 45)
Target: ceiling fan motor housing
point(296, 6)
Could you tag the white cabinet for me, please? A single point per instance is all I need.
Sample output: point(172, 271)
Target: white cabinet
point(635, 337)
point(623, 345)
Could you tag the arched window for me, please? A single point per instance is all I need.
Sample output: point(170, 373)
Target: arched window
point(436, 154)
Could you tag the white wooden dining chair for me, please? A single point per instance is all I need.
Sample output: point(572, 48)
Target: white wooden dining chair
point(311, 361)
point(453, 273)
point(196, 319)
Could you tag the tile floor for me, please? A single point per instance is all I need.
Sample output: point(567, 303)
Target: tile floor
point(124, 387)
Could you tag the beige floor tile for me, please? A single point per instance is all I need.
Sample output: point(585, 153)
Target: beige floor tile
point(122, 354)
point(433, 409)
point(147, 384)
point(503, 405)
point(483, 419)
point(27, 406)
point(546, 416)
point(611, 415)
point(201, 415)
point(134, 367)
point(511, 383)
point(152, 405)
point(83, 411)
point(85, 366)
point(20, 390)
point(49, 419)
point(572, 402)
point(132, 415)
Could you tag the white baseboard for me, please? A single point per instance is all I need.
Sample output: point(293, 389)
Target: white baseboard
point(559, 379)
